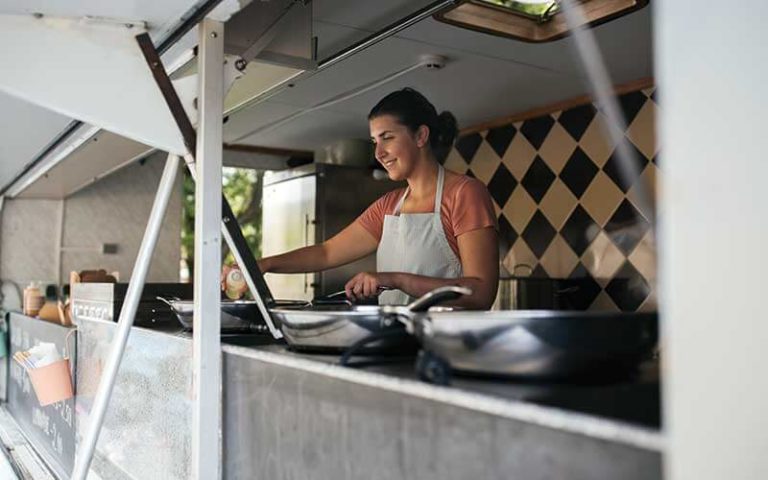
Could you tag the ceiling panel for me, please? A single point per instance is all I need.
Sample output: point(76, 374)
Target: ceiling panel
point(624, 42)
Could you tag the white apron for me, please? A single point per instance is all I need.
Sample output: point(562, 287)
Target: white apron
point(415, 243)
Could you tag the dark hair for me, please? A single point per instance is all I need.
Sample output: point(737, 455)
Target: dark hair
point(413, 110)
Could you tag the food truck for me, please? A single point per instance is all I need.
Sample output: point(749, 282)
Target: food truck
point(152, 155)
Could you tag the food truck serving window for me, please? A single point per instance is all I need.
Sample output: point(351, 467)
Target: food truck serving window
point(531, 20)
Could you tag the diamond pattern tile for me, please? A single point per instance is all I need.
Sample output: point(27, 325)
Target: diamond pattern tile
point(501, 185)
point(642, 132)
point(595, 143)
point(588, 288)
point(500, 138)
point(576, 120)
point(603, 303)
point(602, 259)
point(648, 181)
point(507, 236)
point(626, 227)
point(564, 209)
point(579, 230)
point(558, 260)
point(558, 204)
point(539, 272)
point(519, 209)
point(643, 258)
point(538, 179)
point(455, 162)
point(538, 234)
point(602, 198)
point(520, 254)
point(485, 163)
point(537, 129)
point(519, 156)
point(631, 103)
point(628, 289)
point(613, 169)
point(557, 148)
point(467, 146)
point(578, 172)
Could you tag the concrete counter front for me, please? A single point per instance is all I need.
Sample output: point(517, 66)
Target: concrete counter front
point(296, 416)
point(287, 416)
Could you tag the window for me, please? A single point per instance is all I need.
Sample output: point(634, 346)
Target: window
point(531, 20)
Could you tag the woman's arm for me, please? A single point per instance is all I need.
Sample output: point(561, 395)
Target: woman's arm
point(479, 252)
point(352, 243)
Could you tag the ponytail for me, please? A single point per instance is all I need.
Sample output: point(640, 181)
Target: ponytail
point(413, 110)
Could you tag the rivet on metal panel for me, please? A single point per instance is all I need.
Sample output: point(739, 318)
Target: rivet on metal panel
point(214, 34)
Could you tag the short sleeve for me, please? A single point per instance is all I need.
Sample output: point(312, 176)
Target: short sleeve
point(372, 219)
point(473, 208)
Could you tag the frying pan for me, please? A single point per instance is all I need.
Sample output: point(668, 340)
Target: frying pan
point(532, 344)
point(238, 316)
point(338, 327)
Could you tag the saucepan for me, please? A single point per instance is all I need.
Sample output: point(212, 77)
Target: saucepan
point(345, 327)
point(532, 344)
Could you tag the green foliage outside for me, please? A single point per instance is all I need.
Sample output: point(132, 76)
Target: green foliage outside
point(243, 188)
point(536, 10)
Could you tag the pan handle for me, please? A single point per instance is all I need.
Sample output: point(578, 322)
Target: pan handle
point(169, 301)
point(437, 296)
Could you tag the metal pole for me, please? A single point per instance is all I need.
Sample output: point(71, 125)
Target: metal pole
point(125, 322)
point(206, 345)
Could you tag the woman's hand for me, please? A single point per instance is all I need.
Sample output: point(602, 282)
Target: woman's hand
point(366, 284)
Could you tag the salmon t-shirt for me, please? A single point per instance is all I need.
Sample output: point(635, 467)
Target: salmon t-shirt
point(466, 205)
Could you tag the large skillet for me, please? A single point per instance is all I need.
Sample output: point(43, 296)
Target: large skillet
point(532, 344)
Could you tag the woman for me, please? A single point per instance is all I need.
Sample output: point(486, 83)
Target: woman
point(440, 230)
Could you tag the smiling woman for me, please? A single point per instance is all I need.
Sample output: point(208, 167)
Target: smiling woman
point(440, 230)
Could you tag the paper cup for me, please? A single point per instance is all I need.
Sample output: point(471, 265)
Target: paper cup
point(52, 383)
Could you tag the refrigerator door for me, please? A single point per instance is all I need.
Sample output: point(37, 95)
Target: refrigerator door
point(288, 223)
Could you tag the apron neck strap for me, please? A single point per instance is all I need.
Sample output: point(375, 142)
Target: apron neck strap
point(438, 193)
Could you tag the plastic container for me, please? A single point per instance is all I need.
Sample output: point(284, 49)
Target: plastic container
point(52, 383)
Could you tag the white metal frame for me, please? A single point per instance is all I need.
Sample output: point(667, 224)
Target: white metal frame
point(206, 415)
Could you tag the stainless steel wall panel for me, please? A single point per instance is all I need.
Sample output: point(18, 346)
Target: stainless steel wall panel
point(284, 422)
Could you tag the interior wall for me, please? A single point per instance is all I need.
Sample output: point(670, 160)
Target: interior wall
point(563, 208)
point(113, 210)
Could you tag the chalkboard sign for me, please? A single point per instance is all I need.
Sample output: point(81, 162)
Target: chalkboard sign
point(50, 429)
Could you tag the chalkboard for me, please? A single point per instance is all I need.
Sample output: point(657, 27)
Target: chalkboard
point(50, 429)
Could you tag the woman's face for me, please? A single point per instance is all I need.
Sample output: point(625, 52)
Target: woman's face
point(397, 148)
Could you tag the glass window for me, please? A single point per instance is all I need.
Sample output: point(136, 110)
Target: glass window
point(530, 20)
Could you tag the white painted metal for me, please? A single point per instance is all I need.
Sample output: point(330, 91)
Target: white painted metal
point(206, 371)
point(714, 219)
point(101, 75)
point(125, 322)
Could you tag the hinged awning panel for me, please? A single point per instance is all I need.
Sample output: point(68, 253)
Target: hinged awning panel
point(88, 69)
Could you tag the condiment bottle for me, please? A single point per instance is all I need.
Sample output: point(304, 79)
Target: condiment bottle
point(234, 282)
point(33, 300)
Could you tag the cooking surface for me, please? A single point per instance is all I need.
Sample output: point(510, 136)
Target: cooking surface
point(634, 400)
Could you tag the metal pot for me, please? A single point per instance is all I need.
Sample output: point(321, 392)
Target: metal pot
point(533, 343)
point(523, 292)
